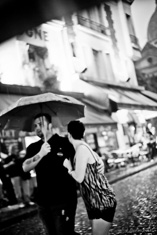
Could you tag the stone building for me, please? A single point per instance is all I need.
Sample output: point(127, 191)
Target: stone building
point(91, 52)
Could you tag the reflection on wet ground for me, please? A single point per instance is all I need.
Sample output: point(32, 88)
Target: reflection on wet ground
point(136, 212)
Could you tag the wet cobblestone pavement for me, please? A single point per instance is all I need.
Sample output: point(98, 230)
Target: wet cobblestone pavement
point(136, 212)
point(137, 204)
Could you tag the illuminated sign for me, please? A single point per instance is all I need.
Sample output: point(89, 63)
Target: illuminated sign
point(36, 36)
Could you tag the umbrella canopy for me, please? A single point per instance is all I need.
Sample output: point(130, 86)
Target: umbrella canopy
point(18, 16)
point(61, 108)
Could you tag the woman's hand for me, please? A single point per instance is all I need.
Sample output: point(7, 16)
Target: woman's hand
point(67, 164)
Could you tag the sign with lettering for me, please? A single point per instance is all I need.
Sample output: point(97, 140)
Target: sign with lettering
point(8, 134)
point(36, 36)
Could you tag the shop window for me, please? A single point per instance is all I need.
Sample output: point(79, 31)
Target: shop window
point(31, 55)
point(107, 141)
point(98, 62)
point(100, 14)
point(9, 139)
point(91, 140)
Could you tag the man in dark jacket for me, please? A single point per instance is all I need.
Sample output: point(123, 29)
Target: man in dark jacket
point(56, 190)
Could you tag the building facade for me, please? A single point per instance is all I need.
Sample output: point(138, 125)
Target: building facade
point(104, 48)
point(90, 52)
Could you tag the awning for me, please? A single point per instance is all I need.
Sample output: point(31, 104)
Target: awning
point(124, 97)
point(95, 117)
point(93, 95)
point(130, 116)
point(150, 95)
point(130, 99)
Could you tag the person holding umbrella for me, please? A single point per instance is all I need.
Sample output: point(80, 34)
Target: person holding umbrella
point(57, 190)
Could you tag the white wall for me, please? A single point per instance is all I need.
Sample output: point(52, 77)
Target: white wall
point(124, 67)
point(59, 50)
point(10, 63)
point(59, 55)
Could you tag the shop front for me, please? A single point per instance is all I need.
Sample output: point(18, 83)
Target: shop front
point(100, 131)
point(126, 105)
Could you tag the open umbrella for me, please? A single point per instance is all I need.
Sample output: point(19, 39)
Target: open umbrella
point(20, 114)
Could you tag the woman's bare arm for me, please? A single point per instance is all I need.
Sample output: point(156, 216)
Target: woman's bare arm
point(82, 156)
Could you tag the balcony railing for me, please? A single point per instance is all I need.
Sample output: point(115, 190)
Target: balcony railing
point(91, 24)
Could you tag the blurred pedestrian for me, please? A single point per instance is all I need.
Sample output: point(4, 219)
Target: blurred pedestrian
point(23, 181)
point(105, 156)
point(96, 192)
point(151, 145)
point(20, 179)
point(7, 185)
point(29, 183)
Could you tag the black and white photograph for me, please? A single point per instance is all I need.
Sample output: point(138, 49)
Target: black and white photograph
point(78, 117)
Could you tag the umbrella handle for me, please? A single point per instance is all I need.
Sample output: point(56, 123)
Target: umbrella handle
point(43, 130)
point(45, 139)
